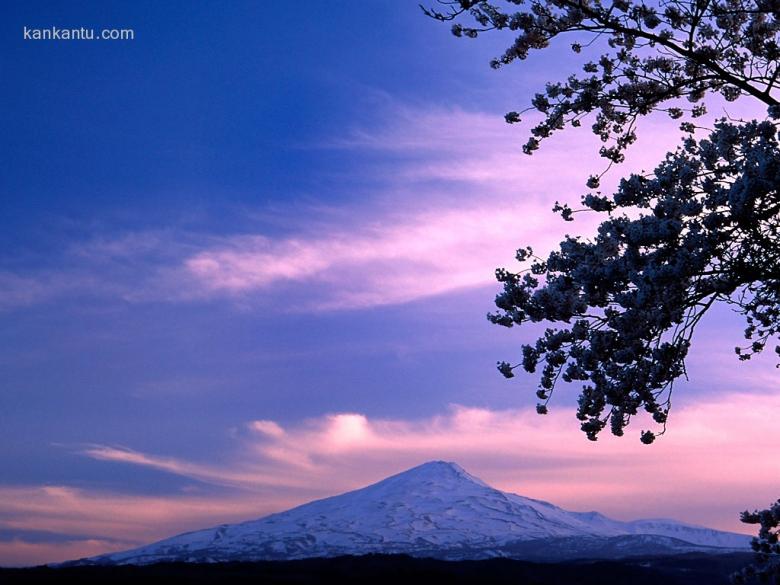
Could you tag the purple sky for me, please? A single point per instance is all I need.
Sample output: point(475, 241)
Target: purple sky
point(245, 261)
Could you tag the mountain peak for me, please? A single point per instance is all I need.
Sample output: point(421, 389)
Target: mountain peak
point(435, 472)
point(437, 466)
point(438, 463)
point(434, 509)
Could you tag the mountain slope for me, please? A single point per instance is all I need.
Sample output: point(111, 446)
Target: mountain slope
point(436, 509)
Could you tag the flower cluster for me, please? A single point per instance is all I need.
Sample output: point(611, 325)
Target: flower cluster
point(704, 227)
point(650, 54)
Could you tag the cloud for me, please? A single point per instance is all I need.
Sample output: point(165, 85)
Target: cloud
point(450, 198)
point(17, 291)
point(246, 477)
point(429, 253)
point(267, 427)
point(96, 521)
point(18, 552)
point(547, 447)
point(454, 199)
point(717, 459)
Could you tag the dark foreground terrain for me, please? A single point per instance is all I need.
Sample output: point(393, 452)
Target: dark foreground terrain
point(403, 570)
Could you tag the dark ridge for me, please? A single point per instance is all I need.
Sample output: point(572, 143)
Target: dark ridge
point(692, 569)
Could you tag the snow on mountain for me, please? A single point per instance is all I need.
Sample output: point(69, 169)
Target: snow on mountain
point(688, 533)
point(436, 509)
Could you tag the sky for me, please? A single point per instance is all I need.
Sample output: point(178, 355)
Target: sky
point(245, 262)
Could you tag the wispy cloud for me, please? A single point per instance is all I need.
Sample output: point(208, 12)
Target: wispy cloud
point(246, 475)
point(427, 254)
point(96, 521)
point(451, 198)
point(715, 443)
point(716, 460)
point(455, 198)
point(18, 552)
point(719, 443)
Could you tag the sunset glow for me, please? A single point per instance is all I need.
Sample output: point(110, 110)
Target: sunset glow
point(243, 270)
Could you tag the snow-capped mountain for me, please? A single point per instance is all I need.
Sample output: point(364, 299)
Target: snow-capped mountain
point(436, 509)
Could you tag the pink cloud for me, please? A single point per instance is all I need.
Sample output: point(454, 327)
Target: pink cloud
point(452, 198)
point(21, 553)
point(426, 254)
point(26, 290)
point(717, 459)
point(444, 219)
point(96, 521)
point(455, 205)
point(720, 443)
point(246, 477)
point(267, 427)
point(438, 222)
